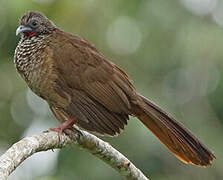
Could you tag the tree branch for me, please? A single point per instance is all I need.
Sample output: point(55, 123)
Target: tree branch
point(23, 149)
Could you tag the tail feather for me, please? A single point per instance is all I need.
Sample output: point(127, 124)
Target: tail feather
point(173, 135)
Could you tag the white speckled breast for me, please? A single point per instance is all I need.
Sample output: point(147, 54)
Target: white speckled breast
point(30, 62)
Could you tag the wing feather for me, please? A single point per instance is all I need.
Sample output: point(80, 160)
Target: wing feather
point(100, 92)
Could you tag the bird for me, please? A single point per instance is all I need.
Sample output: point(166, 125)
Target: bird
point(84, 89)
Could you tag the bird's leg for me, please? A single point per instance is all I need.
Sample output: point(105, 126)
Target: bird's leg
point(65, 125)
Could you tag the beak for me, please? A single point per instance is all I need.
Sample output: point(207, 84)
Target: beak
point(22, 29)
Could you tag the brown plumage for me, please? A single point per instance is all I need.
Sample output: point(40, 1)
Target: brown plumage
point(82, 87)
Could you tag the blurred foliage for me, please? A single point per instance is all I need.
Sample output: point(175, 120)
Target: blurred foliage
point(173, 56)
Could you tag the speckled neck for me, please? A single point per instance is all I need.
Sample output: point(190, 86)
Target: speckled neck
point(30, 61)
point(27, 54)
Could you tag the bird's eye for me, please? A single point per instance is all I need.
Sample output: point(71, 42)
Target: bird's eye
point(34, 23)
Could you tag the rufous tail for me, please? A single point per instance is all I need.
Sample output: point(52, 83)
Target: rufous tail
point(173, 135)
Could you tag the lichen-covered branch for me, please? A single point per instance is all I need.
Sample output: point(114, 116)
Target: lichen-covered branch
point(23, 149)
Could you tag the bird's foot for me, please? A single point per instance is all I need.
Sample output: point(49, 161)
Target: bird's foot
point(65, 125)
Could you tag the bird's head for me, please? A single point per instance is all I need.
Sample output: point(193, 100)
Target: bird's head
point(34, 24)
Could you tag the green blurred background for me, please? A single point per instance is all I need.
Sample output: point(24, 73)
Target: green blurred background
point(172, 50)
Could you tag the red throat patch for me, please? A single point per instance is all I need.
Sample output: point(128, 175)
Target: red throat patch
point(30, 34)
